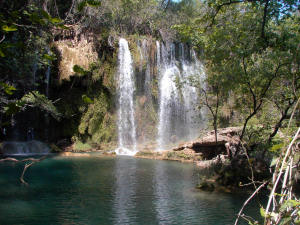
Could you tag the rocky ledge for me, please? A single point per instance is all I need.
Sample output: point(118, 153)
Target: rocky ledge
point(205, 151)
point(227, 143)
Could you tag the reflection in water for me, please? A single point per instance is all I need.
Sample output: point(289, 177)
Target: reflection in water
point(163, 204)
point(171, 199)
point(121, 190)
point(125, 181)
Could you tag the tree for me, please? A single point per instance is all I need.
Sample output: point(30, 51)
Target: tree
point(246, 45)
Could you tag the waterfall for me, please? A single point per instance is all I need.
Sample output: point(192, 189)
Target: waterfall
point(125, 89)
point(48, 80)
point(32, 147)
point(144, 55)
point(169, 100)
point(34, 70)
point(47, 75)
point(179, 119)
point(48, 71)
point(147, 75)
point(158, 55)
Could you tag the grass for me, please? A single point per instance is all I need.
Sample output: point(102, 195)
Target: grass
point(81, 147)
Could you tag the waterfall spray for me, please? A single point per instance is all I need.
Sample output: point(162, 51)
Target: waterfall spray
point(126, 89)
point(179, 119)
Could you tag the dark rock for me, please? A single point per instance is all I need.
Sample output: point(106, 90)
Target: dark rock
point(227, 143)
point(206, 186)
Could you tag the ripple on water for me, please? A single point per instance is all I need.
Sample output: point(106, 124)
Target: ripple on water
point(120, 190)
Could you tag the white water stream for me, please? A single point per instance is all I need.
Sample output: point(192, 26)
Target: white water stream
point(126, 88)
point(178, 118)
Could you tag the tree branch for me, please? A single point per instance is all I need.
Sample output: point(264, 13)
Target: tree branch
point(2, 39)
point(248, 200)
point(264, 20)
point(218, 8)
point(26, 166)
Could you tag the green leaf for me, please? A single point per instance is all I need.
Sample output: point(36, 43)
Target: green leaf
point(79, 70)
point(45, 14)
point(262, 212)
point(86, 99)
point(93, 3)
point(285, 221)
point(2, 53)
point(55, 20)
point(35, 18)
point(11, 108)
point(63, 26)
point(36, 99)
point(49, 57)
point(277, 147)
point(9, 28)
point(289, 203)
point(85, 3)
point(8, 89)
point(274, 161)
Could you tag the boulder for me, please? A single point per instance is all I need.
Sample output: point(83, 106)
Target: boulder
point(227, 143)
point(206, 164)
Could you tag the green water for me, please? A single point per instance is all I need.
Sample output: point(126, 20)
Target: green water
point(121, 190)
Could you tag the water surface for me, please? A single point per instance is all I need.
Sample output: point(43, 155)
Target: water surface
point(121, 190)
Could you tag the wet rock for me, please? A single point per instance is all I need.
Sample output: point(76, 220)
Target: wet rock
point(206, 186)
point(219, 160)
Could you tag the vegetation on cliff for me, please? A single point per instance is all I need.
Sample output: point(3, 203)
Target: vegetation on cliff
point(59, 60)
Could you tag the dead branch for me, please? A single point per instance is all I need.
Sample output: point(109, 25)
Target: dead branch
point(2, 39)
point(248, 200)
point(283, 164)
point(9, 159)
point(26, 166)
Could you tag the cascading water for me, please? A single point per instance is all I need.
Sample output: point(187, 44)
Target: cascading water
point(179, 119)
point(126, 88)
point(148, 75)
point(143, 48)
point(34, 70)
point(47, 74)
point(191, 69)
point(48, 80)
point(169, 100)
point(158, 55)
point(32, 147)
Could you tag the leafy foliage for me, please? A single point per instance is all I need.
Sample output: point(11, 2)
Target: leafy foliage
point(85, 3)
point(35, 99)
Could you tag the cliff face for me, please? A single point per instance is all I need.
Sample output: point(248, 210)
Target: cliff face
point(81, 53)
point(163, 99)
point(86, 89)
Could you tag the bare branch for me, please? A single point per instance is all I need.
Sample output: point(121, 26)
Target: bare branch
point(9, 159)
point(283, 164)
point(249, 85)
point(2, 39)
point(26, 166)
point(264, 19)
point(248, 200)
point(219, 7)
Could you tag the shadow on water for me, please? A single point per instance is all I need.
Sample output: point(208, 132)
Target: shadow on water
point(107, 190)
